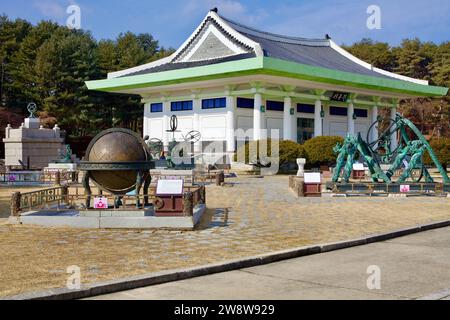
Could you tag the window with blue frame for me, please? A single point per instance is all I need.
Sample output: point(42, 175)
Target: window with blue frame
point(275, 105)
point(338, 111)
point(156, 107)
point(214, 103)
point(181, 105)
point(245, 103)
point(305, 108)
point(361, 113)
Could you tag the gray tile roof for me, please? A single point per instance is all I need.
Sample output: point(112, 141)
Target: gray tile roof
point(182, 65)
point(314, 52)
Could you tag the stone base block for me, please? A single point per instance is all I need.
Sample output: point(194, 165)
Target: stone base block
point(110, 219)
point(118, 213)
point(62, 166)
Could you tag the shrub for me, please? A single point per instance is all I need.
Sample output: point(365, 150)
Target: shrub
point(441, 148)
point(243, 151)
point(289, 151)
point(319, 150)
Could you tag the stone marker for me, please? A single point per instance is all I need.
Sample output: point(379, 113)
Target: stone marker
point(301, 167)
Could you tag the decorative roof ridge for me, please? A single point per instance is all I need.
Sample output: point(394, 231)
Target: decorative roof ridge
point(190, 64)
point(220, 24)
point(276, 37)
point(209, 19)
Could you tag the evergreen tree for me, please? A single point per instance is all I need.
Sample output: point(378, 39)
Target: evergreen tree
point(11, 35)
point(63, 64)
point(23, 72)
point(413, 58)
point(379, 54)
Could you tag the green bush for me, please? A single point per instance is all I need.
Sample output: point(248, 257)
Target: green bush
point(441, 148)
point(289, 151)
point(319, 150)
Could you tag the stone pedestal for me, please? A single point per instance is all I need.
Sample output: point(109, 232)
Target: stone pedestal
point(301, 167)
point(32, 123)
point(32, 145)
point(62, 167)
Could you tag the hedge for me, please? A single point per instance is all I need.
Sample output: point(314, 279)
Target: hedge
point(319, 150)
point(289, 151)
point(441, 148)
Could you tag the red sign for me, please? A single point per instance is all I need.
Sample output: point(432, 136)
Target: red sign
point(101, 203)
point(404, 188)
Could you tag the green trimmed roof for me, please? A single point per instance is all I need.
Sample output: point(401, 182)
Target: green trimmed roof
point(267, 66)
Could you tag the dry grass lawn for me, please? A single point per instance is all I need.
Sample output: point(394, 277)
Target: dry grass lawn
point(263, 217)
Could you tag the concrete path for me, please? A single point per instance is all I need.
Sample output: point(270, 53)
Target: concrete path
point(411, 267)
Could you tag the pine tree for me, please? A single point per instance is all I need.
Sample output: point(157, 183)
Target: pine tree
point(379, 54)
point(413, 58)
point(63, 64)
point(23, 72)
point(12, 34)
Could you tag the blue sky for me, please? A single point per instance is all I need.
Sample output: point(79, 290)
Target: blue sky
point(172, 21)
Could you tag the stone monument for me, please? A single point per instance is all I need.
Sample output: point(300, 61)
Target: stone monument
point(31, 146)
point(301, 167)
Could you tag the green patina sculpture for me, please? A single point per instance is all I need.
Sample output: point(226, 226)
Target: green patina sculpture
point(66, 156)
point(407, 156)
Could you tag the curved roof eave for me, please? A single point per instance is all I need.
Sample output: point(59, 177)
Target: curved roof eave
point(270, 66)
point(366, 65)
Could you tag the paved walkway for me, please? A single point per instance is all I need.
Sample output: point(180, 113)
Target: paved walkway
point(249, 216)
point(411, 267)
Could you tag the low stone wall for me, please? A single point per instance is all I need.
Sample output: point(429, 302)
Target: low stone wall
point(296, 186)
point(73, 196)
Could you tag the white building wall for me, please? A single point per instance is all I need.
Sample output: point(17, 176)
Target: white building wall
point(244, 119)
point(213, 126)
point(213, 122)
point(274, 121)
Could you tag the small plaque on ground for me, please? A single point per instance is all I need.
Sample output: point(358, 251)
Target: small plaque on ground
point(169, 187)
point(312, 177)
point(358, 166)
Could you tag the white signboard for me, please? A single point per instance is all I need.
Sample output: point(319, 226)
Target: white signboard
point(404, 188)
point(312, 177)
point(169, 187)
point(101, 203)
point(358, 166)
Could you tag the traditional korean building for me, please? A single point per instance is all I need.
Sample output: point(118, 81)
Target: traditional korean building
point(227, 76)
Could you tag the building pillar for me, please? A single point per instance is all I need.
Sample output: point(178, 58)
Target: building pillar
point(264, 133)
point(350, 120)
point(374, 132)
point(145, 128)
point(230, 133)
point(166, 119)
point(257, 117)
point(318, 131)
point(196, 105)
point(394, 143)
point(287, 119)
